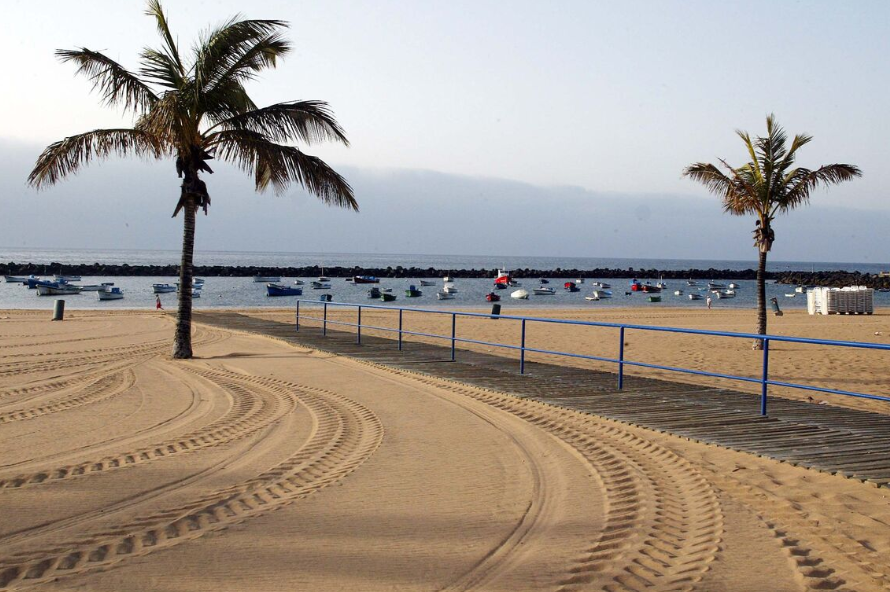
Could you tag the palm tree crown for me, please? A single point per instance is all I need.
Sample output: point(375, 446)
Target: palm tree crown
point(768, 184)
point(195, 110)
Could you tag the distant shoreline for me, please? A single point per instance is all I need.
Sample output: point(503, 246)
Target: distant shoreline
point(821, 278)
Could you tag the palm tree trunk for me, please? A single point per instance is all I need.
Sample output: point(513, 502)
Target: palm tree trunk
point(182, 342)
point(761, 299)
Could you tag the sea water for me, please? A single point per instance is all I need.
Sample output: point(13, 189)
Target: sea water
point(239, 292)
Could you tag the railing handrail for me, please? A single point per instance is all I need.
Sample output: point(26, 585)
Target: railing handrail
point(486, 315)
point(764, 380)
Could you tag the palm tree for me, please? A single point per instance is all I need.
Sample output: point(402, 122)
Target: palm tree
point(766, 186)
point(194, 111)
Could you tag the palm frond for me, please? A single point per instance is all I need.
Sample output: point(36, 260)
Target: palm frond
point(66, 157)
point(116, 84)
point(164, 121)
point(801, 183)
point(280, 166)
point(306, 121)
point(171, 51)
point(224, 101)
point(161, 68)
point(249, 44)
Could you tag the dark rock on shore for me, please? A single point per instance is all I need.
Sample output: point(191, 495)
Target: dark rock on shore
point(821, 278)
point(833, 279)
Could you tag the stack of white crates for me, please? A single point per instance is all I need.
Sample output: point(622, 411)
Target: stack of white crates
point(849, 300)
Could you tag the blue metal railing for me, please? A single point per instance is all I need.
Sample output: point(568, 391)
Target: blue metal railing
point(621, 361)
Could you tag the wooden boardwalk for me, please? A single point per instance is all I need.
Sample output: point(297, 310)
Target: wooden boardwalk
point(836, 440)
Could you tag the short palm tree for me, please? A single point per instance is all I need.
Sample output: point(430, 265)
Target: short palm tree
point(194, 111)
point(767, 185)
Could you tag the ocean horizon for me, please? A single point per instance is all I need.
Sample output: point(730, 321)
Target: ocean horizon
point(39, 256)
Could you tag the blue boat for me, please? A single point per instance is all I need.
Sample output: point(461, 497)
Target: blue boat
point(280, 290)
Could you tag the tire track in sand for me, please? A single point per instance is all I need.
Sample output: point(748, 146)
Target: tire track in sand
point(664, 522)
point(253, 409)
point(345, 435)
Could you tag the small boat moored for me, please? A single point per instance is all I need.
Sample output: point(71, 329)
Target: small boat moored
point(571, 287)
point(387, 297)
point(324, 297)
point(318, 285)
point(544, 291)
point(163, 288)
point(283, 290)
point(492, 297)
point(110, 293)
point(695, 296)
point(365, 279)
point(654, 298)
point(520, 294)
point(96, 287)
point(413, 292)
point(374, 292)
point(57, 290)
point(443, 295)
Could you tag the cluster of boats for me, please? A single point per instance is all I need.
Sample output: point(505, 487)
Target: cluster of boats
point(197, 286)
point(61, 285)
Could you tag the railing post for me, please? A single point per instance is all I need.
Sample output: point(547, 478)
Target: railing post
point(763, 381)
point(621, 358)
point(298, 316)
point(324, 320)
point(358, 335)
point(400, 329)
point(453, 333)
point(522, 350)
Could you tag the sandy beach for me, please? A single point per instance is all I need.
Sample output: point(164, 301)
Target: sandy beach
point(263, 466)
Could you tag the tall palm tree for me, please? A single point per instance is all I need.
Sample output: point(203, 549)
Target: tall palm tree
point(195, 110)
point(766, 186)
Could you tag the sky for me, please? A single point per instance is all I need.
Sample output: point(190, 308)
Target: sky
point(572, 120)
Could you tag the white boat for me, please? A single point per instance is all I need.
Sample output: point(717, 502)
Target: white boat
point(427, 283)
point(661, 283)
point(67, 278)
point(691, 282)
point(448, 279)
point(792, 295)
point(579, 281)
point(715, 286)
point(603, 285)
point(267, 279)
point(734, 286)
point(695, 296)
point(96, 287)
point(110, 293)
point(592, 298)
point(57, 290)
point(162, 288)
point(678, 292)
point(520, 294)
point(544, 291)
point(600, 294)
point(298, 282)
point(725, 293)
point(317, 285)
point(449, 289)
point(442, 295)
point(13, 279)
